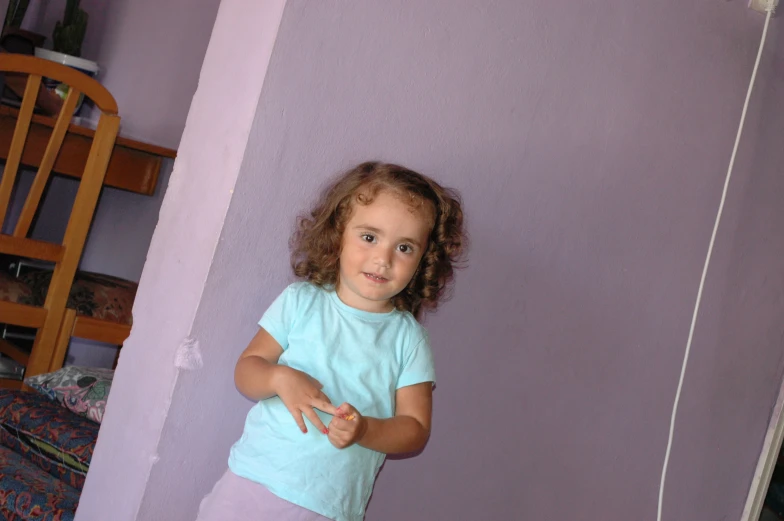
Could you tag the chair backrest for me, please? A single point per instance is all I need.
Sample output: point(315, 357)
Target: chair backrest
point(66, 255)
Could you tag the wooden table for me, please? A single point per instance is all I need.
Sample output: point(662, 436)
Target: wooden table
point(134, 166)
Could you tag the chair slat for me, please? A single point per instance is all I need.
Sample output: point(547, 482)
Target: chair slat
point(90, 187)
point(13, 352)
point(84, 205)
point(75, 236)
point(17, 143)
point(21, 314)
point(47, 162)
point(31, 248)
point(100, 330)
point(63, 339)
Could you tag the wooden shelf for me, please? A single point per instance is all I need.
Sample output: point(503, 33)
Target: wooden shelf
point(134, 166)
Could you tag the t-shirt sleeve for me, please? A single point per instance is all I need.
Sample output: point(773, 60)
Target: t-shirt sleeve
point(280, 316)
point(418, 367)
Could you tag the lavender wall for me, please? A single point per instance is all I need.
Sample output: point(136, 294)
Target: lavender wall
point(150, 53)
point(43, 14)
point(590, 142)
point(162, 350)
point(736, 369)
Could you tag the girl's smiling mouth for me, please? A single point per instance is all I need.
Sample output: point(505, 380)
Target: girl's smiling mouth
point(375, 278)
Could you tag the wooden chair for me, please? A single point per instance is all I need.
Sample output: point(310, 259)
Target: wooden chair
point(65, 256)
point(81, 326)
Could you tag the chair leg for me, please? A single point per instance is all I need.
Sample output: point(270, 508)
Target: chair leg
point(63, 339)
point(44, 344)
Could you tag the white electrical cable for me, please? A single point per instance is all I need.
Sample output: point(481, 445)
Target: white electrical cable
point(769, 9)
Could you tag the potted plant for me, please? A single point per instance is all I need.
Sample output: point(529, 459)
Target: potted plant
point(69, 33)
point(67, 41)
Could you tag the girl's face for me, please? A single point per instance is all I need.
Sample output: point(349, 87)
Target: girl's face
point(382, 245)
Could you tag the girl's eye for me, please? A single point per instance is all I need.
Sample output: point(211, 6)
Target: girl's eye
point(405, 248)
point(367, 237)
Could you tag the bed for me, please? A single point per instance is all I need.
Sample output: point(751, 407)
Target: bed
point(47, 437)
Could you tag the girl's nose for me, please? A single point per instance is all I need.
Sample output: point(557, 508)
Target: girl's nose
point(384, 258)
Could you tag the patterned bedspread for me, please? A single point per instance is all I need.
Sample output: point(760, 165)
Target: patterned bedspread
point(45, 452)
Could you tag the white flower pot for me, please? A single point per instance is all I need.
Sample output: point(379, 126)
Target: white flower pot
point(87, 67)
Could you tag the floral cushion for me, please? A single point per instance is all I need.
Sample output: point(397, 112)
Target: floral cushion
point(30, 494)
point(13, 289)
point(83, 390)
point(45, 433)
point(92, 294)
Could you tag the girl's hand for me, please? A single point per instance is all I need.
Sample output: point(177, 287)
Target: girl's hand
point(301, 393)
point(347, 426)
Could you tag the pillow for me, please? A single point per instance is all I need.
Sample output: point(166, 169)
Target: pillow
point(83, 390)
point(47, 434)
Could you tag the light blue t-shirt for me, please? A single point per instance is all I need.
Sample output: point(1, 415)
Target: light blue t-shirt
point(361, 358)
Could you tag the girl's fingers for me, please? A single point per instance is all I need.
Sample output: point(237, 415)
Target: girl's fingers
point(339, 424)
point(346, 411)
point(338, 438)
point(335, 441)
point(322, 403)
point(314, 419)
point(297, 415)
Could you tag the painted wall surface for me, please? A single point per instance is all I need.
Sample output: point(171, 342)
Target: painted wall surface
point(149, 52)
point(590, 142)
point(43, 14)
point(162, 348)
point(153, 91)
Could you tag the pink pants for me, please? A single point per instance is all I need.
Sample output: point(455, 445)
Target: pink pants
point(238, 499)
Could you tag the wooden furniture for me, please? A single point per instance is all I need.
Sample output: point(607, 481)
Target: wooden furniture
point(65, 256)
point(134, 166)
point(79, 326)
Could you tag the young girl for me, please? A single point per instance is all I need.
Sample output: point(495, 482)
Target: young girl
point(340, 367)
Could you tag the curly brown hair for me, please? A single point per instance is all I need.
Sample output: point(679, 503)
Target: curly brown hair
point(316, 244)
